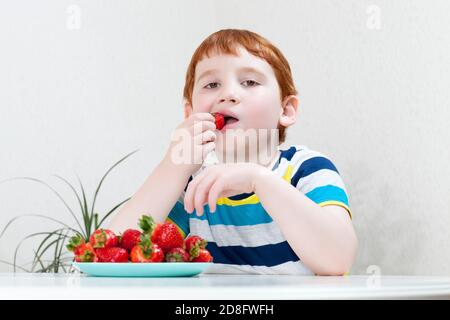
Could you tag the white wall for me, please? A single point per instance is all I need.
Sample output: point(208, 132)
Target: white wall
point(374, 100)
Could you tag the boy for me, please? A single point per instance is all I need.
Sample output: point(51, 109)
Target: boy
point(281, 212)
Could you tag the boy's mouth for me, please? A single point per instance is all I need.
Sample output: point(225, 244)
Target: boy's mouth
point(225, 119)
point(230, 121)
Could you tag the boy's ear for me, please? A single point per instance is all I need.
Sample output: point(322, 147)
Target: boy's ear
point(288, 111)
point(187, 109)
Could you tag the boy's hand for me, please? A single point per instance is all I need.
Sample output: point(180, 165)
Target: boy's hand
point(221, 180)
point(191, 141)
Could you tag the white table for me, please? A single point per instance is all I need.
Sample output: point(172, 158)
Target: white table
point(224, 287)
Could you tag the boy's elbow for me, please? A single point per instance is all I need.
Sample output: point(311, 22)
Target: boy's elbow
point(336, 270)
point(338, 267)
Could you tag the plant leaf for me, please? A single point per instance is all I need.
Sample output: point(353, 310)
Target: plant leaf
point(95, 221)
point(34, 215)
point(106, 174)
point(59, 245)
point(37, 254)
point(85, 211)
point(28, 237)
point(73, 189)
point(53, 190)
point(11, 264)
point(111, 211)
point(38, 259)
point(58, 251)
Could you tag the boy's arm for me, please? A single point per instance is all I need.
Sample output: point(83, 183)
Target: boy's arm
point(155, 197)
point(161, 190)
point(323, 237)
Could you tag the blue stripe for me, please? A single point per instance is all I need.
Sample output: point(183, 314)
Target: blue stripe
point(241, 196)
point(268, 255)
point(286, 154)
point(310, 166)
point(243, 215)
point(289, 153)
point(328, 193)
point(180, 217)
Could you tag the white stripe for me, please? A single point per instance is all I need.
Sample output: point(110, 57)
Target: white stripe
point(246, 236)
point(320, 178)
point(303, 155)
point(281, 169)
point(287, 268)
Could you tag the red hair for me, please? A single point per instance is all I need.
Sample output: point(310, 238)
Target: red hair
point(228, 41)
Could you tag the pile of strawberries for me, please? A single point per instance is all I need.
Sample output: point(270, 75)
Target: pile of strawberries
point(155, 243)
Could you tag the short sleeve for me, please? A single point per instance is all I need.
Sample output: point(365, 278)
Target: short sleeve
point(179, 216)
point(318, 178)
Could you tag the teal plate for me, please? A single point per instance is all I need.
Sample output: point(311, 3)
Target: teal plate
point(162, 269)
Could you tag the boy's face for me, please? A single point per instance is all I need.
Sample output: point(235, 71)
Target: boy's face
point(244, 87)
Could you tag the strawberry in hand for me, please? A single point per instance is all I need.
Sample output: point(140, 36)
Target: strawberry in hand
point(219, 120)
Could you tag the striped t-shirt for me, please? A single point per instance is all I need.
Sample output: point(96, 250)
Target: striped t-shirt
point(241, 235)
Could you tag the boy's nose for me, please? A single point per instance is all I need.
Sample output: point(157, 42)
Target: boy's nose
point(233, 100)
point(228, 94)
point(229, 97)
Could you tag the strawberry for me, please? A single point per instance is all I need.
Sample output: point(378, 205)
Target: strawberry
point(113, 254)
point(167, 236)
point(75, 244)
point(147, 224)
point(103, 238)
point(177, 255)
point(85, 253)
point(203, 256)
point(219, 120)
point(146, 251)
point(129, 239)
point(193, 245)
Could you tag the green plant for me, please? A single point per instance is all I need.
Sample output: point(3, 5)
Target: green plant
point(53, 242)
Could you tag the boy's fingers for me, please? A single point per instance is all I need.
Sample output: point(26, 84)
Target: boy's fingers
point(187, 204)
point(207, 148)
point(203, 116)
point(205, 137)
point(201, 192)
point(201, 126)
point(214, 193)
point(200, 119)
point(190, 192)
point(201, 151)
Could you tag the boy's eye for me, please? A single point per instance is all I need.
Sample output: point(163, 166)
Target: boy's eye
point(250, 83)
point(209, 84)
